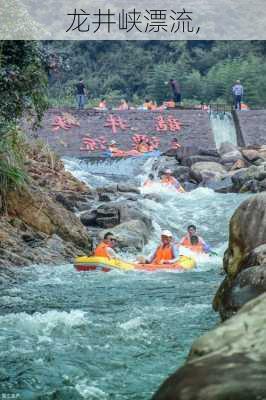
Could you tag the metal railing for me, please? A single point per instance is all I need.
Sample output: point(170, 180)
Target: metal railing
point(220, 108)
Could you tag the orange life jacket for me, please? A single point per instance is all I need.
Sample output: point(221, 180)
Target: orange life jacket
point(148, 183)
point(170, 104)
point(101, 250)
point(185, 242)
point(169, 180)
point(197, 248)
point(116, 151)
point(163, 253)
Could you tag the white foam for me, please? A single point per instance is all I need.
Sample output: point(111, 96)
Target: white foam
point(90, 392)
point(42, 325)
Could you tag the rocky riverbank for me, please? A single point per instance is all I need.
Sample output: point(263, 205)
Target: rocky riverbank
point(55, 217)
point(229, 169)
point(229, 362)
point(37, 227)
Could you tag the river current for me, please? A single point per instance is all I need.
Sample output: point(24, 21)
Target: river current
point(69, 335)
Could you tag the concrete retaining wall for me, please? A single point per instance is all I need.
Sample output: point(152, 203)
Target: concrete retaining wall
point(195, 132)
point(253, 126)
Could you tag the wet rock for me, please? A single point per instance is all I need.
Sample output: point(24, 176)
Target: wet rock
point(226, 363)
point(181, 172)
point(247, 231)
point(88, 218)
point(186, 151)
point(81, 206)
point(248, 175)
point(239, 178)
point(209, 152)
point(108, 189)
point(153, 196)
point(249, 284)
point(65, 201)
point(39, 211)
point(189, 186)
point(257, 256)
point(226, 148)
point(104, 197)
point(262, 152)
point(250, 154)
point(131, 196)
point(108, 216)
point(203, 171)
point(246, 248)
point(123, 187)
point(262, 185)
point(199, 158)
point(114, 213)
point(229, 153)
point(250, 186)
point(221, 186)
point(239, 164)
point(133, 234)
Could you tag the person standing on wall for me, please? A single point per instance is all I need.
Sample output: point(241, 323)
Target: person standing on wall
point(237, 91)
point(176, 91)
point(80, 94)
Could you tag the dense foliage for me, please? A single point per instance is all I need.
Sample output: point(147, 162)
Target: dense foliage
point(23, 86)
point(206, 70)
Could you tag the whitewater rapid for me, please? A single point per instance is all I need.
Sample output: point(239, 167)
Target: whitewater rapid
point(114, 336)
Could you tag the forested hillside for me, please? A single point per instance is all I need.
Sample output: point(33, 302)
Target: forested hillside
point(206, 70)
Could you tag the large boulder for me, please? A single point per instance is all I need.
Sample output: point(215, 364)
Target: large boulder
point(248, 284)
point(203, 171)
point(126, 187)
point(247, 231)
point(243, 178)
point(114, 213)
point(221, 186)
point(247, 248)
point(227, 363)
point(38, 210)
point(229, 153)
point(182, 173)
point(133, 234)
point(250, 154)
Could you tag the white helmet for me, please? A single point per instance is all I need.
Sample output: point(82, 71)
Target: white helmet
point(166, 233)
point(112, 142)
point(168, 171)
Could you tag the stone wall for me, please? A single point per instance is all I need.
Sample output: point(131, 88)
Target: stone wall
point(195, 130)
point(253, 126)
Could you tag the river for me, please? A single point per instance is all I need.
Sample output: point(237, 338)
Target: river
point(69, 335)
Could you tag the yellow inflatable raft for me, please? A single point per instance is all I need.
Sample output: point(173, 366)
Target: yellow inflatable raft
point(105, 264)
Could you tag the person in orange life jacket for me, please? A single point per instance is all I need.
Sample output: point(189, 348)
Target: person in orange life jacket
point(186, 240)
point(166, 252)
point(149, 181)
point(103, 104)
point(168, 179)
point(114, 149)
point(105, 247)
point(174, 144)
point(195, 245)
point(142, 147)
point(123, 105)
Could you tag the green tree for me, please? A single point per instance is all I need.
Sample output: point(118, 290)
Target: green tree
point(22, 92)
